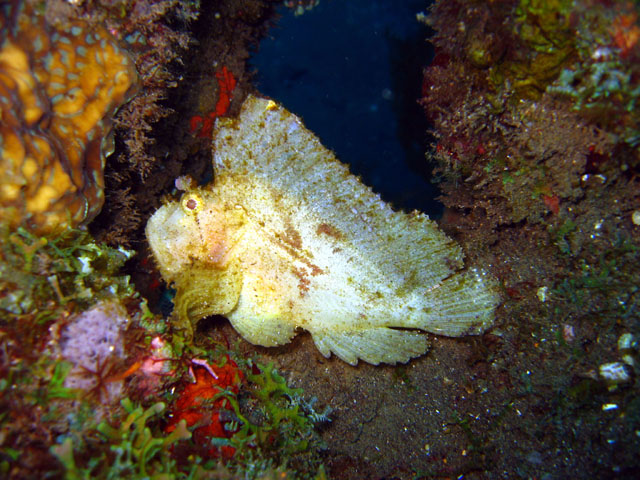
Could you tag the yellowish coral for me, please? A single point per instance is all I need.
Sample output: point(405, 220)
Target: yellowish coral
point(58, 90)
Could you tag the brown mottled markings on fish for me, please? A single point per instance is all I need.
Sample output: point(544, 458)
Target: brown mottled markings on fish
point(329, 230)
point(315, 270)
point(291, 242)
point(292, 236)
point(303, 284)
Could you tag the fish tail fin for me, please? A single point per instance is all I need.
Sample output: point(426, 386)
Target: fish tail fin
point(463, 304)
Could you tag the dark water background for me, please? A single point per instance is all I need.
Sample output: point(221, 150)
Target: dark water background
point(353, 71)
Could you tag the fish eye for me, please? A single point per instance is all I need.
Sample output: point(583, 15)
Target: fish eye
point(191, 203)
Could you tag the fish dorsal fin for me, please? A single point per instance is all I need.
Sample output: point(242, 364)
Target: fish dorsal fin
point(270, 144)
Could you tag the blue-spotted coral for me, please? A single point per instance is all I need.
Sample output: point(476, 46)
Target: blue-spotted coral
point(59, 87)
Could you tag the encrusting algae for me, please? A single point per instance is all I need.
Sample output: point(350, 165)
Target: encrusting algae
point(286, 238)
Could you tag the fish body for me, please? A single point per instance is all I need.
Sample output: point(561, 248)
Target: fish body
point(286, 239)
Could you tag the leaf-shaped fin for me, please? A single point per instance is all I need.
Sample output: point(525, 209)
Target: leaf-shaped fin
point(261, 328)
point(204, 292)
point(374, 345)
point(270, 144)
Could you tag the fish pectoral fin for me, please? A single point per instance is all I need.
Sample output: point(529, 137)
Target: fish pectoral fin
point(204, 292)
point(374, 345)
point(258, 317)
point(261, 329)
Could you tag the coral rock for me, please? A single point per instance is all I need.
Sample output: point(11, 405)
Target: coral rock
point(58, 90)
point(287, 238)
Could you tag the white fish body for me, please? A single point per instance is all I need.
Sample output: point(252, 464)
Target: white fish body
point(287, 239)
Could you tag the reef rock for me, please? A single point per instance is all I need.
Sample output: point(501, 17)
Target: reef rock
point(59, 87)
point(286, 239)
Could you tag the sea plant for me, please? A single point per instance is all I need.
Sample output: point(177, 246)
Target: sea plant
point(127, 450)
point(42, 276)
point(275, 424)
